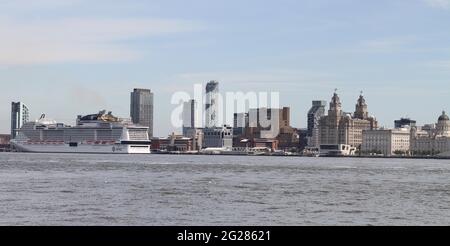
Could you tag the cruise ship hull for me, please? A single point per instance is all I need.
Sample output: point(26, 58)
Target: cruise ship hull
point(82, 148)
point(95, 133)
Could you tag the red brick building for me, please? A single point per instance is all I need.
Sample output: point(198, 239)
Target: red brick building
point(172, 143)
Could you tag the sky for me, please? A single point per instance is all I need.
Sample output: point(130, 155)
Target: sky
point(70, 57)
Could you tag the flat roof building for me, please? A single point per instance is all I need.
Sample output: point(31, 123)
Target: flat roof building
point(405, 122)
point(19, 116)
point(387, 142)
point(141, 108)
point(316, 112)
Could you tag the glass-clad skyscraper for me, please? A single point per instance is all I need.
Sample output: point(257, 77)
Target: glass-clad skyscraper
point(314, 114)
point(19, 116)
point(212, 104)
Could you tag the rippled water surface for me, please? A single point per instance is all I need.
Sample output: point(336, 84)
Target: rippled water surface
point(72, 189)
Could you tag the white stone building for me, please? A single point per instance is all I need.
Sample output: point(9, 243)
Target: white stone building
point(432, 139)
point(387, 142)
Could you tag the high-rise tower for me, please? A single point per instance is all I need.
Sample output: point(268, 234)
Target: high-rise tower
point(211, 104)
point(316, 112)
point(189, 116)
point(19, 116)
point(141, 108)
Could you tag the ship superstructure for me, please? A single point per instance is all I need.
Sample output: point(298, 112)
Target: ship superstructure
point(95, 133)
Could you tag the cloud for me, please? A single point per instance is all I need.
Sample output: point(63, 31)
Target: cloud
point(444, 4)
point(88, 40)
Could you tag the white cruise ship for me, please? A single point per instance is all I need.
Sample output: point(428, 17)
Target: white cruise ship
point(96, 133)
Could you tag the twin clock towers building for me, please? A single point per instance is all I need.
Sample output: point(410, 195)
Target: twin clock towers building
point(339, 127)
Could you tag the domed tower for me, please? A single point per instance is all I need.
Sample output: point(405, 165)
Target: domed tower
point(335, 106)
point(443, 125)
point(444, 117)
point(361, 111)
point(329, 125)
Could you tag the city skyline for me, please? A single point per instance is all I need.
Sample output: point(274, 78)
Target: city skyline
point(398, 58)
point(357, 114)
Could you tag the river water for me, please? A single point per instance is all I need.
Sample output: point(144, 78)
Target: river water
point(75, 189)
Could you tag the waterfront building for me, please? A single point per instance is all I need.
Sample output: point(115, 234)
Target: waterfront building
point(269, 144)
point(432, 139)
point(19, 116)
point(240, 120)
point(316, 112)
point(141, 108)
point(268, 122)
point(4, 139)
point(288, 138)
point(240, 124)
point(218, 137)
point(405, 122)
point(271, 124)
point(189, 116)
point(285, 117)
point(303, 139)
point(387, 142)
point(190, 122)
point(344, 128)
point(196, 134)
point(4, 142)
point(174, 143)
point(212, 104)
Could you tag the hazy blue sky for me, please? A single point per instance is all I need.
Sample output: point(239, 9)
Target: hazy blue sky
point(65, 58)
